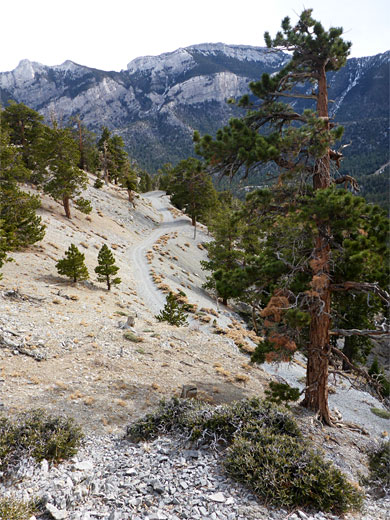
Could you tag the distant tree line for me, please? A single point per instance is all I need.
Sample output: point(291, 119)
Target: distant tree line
point(54, 160)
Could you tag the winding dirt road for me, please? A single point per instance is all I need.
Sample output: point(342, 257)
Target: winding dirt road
point(153, 298)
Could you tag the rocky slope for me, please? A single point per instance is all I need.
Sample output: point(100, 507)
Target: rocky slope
point(158, 101)
point(63, 348)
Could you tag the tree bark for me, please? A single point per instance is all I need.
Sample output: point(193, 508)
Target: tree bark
point(316, 395)
point(66, 204)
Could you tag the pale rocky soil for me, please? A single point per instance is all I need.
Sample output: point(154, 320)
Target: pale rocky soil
point(88, 369)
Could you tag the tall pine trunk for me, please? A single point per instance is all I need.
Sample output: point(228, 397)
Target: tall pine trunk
point(316, 395)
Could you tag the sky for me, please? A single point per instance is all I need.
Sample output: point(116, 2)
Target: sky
point(108, 34)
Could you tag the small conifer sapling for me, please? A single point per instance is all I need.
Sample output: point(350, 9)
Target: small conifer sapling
point(106, 267)
point(73, 265)
point(173, 312)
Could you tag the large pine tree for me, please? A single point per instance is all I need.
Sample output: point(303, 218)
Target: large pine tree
point(191, 189)
point(64, 181)
point(304, 216)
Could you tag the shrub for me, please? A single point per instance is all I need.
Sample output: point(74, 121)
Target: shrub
point(35, 434)
point(267, 451)
point(205, 423)
point(286, 471)
point(224, 422)
point(12, 509)
point(169, 416)
point(383, 414)
point(379, 466)
point(132, 337)
point(281, 393)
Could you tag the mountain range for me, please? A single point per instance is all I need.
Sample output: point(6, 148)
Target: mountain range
point(158, 101)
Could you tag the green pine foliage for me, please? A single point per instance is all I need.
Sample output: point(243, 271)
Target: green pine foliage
point(86, 142)
point(308, 247)
point(225, 259)
point(26, 131)
point(281, 393)
point(173, 312)
point(191, 189)
point(106, 268)
point(145, 182)
point(64, 180)
point(73, 265)
point(113, 159)
point(20, 225)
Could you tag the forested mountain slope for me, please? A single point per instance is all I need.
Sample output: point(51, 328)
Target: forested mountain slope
point(158, 101)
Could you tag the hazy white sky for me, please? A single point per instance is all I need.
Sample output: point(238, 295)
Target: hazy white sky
point(107, 34)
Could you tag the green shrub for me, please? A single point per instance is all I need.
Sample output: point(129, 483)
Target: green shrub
point(379, 466)
point(13, 509)
point(35, 434)
point(267, 451)
point(83, 205)
point(224, 422)
point(169, 416)
point(383, 414)
point(130, 336)
point(206, 423)
point(98, 183)
point(286, 471)
point(282, 393)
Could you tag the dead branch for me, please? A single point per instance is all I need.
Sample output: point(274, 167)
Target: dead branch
point(336, 156)
point(347, 179)
point(358, 332)
point(360, 371)
point(363, 287)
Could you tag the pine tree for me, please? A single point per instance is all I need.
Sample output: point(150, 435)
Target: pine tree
point(3, 247)
point(191, 189)
point(145, 183)
point(20, 224)
point(225, 258)
point(26, 131)
point(107, 268)
point(64, 179)
point(86, 142)
point(299, 223)
point(73, 265)
point(129, 180)
point(173, 312)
